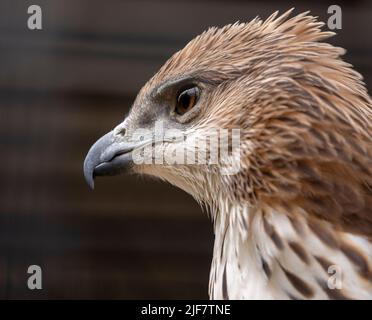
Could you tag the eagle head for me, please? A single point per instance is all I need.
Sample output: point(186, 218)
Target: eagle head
point(262, 113)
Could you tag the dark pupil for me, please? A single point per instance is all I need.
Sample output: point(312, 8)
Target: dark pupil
point(186, 100)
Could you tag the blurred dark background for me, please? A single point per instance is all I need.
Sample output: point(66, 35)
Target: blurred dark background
point(63, 87)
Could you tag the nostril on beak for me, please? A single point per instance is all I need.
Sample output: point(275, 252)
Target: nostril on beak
point(120, 131)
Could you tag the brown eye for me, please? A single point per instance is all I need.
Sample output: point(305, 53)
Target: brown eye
point(186, 100)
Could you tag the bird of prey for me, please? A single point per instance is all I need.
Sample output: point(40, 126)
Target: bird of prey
point(295, 221)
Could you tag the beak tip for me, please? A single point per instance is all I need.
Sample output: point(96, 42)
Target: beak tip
point(91, 184)
point(93, 158)
point(89, 174)
point(89, 179)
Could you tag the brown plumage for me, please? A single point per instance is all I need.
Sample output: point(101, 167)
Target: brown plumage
point(302, 200)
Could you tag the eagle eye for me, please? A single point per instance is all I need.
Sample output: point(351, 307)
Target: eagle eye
point(186, 100)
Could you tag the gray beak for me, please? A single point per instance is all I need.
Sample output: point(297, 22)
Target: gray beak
point(107, 157)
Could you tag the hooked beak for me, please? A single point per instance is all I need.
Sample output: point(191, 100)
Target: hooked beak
point(107, 156)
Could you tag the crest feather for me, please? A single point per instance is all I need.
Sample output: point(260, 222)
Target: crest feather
point(236, 45)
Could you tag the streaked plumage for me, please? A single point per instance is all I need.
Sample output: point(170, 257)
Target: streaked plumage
point(302, 201)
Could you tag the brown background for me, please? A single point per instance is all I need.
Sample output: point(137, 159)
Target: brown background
point(63, 87)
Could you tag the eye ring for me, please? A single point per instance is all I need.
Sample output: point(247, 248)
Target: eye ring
point(186, 100)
